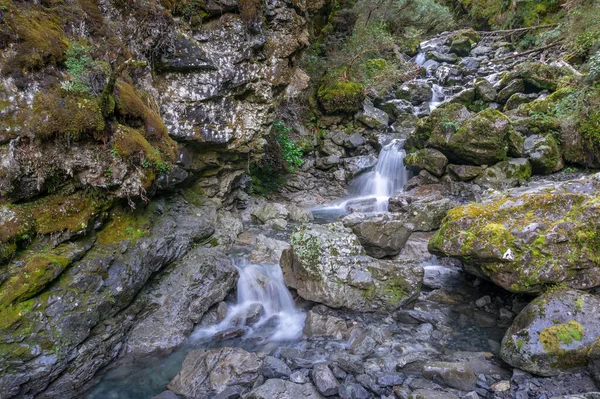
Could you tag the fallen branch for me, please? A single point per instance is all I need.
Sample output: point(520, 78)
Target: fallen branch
point(510, 31)
point(526, 52)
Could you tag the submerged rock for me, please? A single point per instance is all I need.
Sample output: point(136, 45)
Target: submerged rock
point(211, 372)
point(327, 264)
point(554, 333)
point(529, 241)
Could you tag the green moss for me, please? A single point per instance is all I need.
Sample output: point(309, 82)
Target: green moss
point(124, 225)
point(340, 96)
point(66, 114)
point(553, 337)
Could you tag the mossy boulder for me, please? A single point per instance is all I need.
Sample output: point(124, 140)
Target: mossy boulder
point(484, 90)
point(544, 154)
point(484, 139)
point(461, 46)
point(464, 172)
point(417, 92)
point(327, 264)
point(506, 174)
point(554, 333)
point(542, 76)
point(514, 87)
point(340, 96)
point(528, 242)
point(443, 122)
point(429, 159)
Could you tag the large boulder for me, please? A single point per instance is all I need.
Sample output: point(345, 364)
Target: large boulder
point(505, 174)
point(443, 121)
point(484, 90)
point(415, 91)
point(543, 76)
point(554, 333)
point(373, 117)
point(327, 264)
point(486, 138)
point(381, 235)
point(544, 153)
point(423, 208)
point(429, 159)
point(211, 371)
point(340, 96)
point(527, 242)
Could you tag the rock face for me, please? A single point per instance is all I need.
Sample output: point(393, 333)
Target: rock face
point(211, 372)
point(528, 241)
point(553, 333)
point(88, 310)
point(189, 287)
point(327, 264)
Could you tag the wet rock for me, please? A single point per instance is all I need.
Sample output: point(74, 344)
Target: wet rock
point(327, 264)
point(185, 292)
point(484, 90)
point(298, 377)
point(230, 333)
point(446, 296)
point(544, 153)
point(166, 395)
point(443, 57)
point(381, 235)
point(390, 380)
point(469, 64)
point(541, 226)
point(324, 380)
point(351, 364)
point(356, 165)
point(454, 375)
point(251, 316)
point(280, 389)
point(553, 333)
point(351, 141)
point(429, 394)
point(205, 372)
point(464, 172)
point(353, 391)
point(362, 345)
point(416, 92)
point(402, 108)
point(429, 159)
point(322, 325)
point(275, 368)
point(506, 174)
point(373, 117)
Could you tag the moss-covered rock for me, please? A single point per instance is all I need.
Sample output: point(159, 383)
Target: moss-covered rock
point(429, 159)
point(530, 241)
point(340, 96)
point(434, 130)
point(544, 154)
point(484, 139)
point(327, 264)
point(542, 76)
point(506, 174)
point(554, 333)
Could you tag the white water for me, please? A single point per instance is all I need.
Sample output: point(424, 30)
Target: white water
point(373, 190)
point(262, 285)
point(438, 97)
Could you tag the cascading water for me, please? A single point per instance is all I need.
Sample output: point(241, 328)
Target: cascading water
point(371, 191)
point(264, 306)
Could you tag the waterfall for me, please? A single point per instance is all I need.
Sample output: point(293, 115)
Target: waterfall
point(371, 191)
point(420, 59)
point(438, 97)
point(264, 306)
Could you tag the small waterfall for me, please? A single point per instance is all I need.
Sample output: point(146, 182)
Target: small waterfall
point(438, 97)
point(371, 191)
point(420, 59)
point(264, 306)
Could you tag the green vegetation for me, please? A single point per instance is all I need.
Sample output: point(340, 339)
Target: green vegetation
point(79, 65)
point(290, 150)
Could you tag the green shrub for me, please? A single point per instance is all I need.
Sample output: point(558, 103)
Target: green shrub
point(291, 152)
point(80, 66)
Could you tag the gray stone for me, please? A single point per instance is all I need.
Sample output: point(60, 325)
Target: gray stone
point(269, 211)
point(390, 380)
point(298, 377)
point(213, 371)
point(544, 153)
point(485, 91)
point(441, 57)
point(505, 174)
point(275, 368)
point(324, 380)
point(320, 325)
point(327, 264)
point(373, 117)
point(416, 92)
point(455, 375)
point(353, 391)
point(166, 395)
point(515, 86)
point(464, 172)
point(280, 389)
point(381, 235)
point(267, 250)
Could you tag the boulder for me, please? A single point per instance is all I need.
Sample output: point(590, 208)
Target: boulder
point(212, 371)
point(323, 325)
point(324, 380)
point(461, 46)
point(349, 141)
point(516, 100)
point(280, 389)
point(455, 375)
point(381, 235)
point(485, 91)
point(267, 250)
point(484, 139)
point(356, 165)
point(353, 391)
point(373, 117)
point(275, 368)
point(543, 76)
point(401, 108)
point(415, 91)
point(431, 394)
point(464, 172)
point(527, 242)
point(443, 57)
point(514, 87)
point(506, 174)
point(423, 207)
point(340, 96)
point(327, 264)
point(429, 159)
point(554, 333)
point(442, 122)
point(543, 153)
point(269, 211)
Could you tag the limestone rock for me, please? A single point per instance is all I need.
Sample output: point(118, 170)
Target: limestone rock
point(323, 325)
point(327, 264)
point(485, 91)
point(553, 333)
